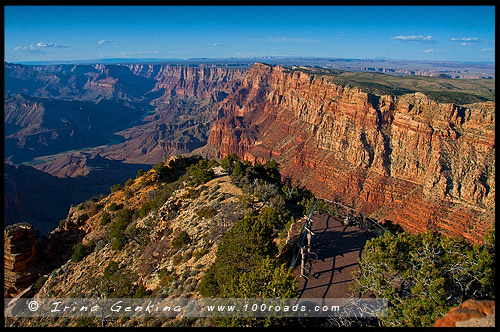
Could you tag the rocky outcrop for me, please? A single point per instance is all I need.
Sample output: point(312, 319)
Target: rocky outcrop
point(194, 82)
point(134, 82)
point(21, 258)
point(471, 313)
point(422, 164)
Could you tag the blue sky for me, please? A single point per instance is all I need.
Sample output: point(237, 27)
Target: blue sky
point(447, 33)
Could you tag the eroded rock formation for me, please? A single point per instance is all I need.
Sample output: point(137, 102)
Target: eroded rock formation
point(419, 163)
point(21, 258)
point(471, 313)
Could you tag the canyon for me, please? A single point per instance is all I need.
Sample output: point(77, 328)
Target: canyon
point(421, 160)
point(393, 152)
point(419, 163)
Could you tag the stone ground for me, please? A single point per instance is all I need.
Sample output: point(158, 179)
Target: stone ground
point(338, 248)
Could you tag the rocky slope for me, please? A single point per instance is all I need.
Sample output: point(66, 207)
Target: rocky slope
point(42, 195)
point(134, 82)
point(42, 126)
point(50, 109)
point(406, 158)
point(134, 114)
point(149, 259)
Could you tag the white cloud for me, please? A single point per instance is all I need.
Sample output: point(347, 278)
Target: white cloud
point(465, 44)
point(468, 39)
point(43, 44)
point(102, 42)
point(414, 38)
point(488, 49)
point(217, 44)
point(39, 46)
point(430, 50)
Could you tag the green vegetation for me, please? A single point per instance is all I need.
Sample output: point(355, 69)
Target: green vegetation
point(227, 163)
point(114, 207)
point(117, 228)
point(245, 267)
point(181, 240)
point(206, 212)
point(158, 197)
point(87, 322)
point(116, 187)
point(456, 97)
point(447, 90)
point(202, 172)
point(39, 284)
point(105, 218)
point(80, 251)
point(424, 275)
point(161, 169)
point(246, 263)
point(197, 254)
point(119, 281)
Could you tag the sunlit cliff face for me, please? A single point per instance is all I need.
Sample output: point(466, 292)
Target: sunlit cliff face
point(409, 159)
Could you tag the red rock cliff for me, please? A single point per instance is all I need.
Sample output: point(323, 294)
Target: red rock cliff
point(21, 258)
point(197, 82)
point(421, 164)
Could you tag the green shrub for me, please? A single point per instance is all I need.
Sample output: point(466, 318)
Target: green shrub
point(181, 240)
point(115, 187)
point(127, 193)
point(114, 207)
point(117, 243)
point(119, 280)
point(86, 322)
point(176, 259)
point(197, 254)
point(206, 212)
point(187, 256)
point(39, 284)
point(140, 292)
point(242, 248)
point(227, 163)
point(80, 251)
point(116, 230)
point(110, 269)
point(239, 171)
point(162, 170)
point(105, 218)
point(200, 173)
point(429, 273)
point(146, 207)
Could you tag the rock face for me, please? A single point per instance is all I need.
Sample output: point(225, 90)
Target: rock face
point(422, 164)
point(471, 313)
point(134, 82)
point(194, 82)
point(153, 111)
point(50, 109)
point(20, 258)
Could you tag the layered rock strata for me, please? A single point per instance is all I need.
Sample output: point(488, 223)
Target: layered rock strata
point(419, 163)
point(21, 255)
